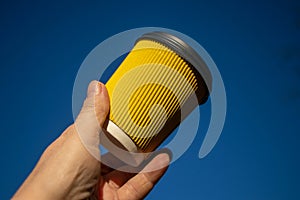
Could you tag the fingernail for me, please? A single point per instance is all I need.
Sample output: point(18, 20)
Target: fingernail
point(163, 160)
point(158, 162)
point(93, 89)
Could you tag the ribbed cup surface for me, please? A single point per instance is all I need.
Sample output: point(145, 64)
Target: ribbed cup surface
point(147, 89)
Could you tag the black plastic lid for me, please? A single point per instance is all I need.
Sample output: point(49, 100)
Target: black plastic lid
point(187, 53)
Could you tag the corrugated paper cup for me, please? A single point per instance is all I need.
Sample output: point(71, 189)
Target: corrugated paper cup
point(151, 93)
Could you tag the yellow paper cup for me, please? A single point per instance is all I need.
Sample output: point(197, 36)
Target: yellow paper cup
point(150, 94)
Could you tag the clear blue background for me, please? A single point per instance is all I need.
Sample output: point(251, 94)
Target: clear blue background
point(255, 44)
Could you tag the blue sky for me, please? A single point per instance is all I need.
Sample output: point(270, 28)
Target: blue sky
point(255, 44)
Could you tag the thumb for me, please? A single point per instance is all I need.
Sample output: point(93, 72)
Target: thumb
point(92, 116)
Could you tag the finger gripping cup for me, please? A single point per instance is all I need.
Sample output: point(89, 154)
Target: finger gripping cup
point(151, 93)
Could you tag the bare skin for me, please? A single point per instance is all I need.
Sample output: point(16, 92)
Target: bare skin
point(66, 170)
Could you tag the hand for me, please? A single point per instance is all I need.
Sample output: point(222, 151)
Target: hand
point(67, 170)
